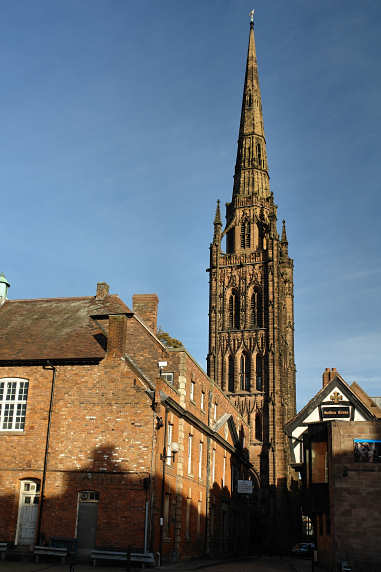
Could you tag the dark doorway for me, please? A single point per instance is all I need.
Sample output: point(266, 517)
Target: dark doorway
point(87, 520)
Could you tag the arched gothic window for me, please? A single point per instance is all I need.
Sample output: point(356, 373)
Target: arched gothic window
point(258, 426)
point(234, 310)
point(245, 372)
point(259, 372)
point(245, 235)
point(231, 373)
point(256, 309)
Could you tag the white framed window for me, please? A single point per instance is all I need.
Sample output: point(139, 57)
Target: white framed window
point(168, 376)
point(13, 398)
point(215, 412)
point(190, 439)
point(169, 443)
point(192, 390)
point(200, 451)
point(202, 405)
point(213, 465)
point(224, 471)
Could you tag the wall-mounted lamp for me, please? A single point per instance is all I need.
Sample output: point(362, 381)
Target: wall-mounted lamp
point(161, 364)
point(159, 422)
point(174, 449)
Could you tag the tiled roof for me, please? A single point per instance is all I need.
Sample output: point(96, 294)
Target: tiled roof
point(54, 328)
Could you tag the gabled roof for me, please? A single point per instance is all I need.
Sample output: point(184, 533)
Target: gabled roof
point(358, 401)
point(370, 402)
point(54, 328)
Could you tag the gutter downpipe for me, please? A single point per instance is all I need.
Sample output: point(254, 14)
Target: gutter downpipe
point(50, 367)
point(207, 493)
point(164, 459)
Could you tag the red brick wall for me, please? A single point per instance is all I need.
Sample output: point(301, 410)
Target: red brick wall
point(105, 437)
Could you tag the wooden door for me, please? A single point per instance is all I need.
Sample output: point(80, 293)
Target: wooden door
point(28, 512)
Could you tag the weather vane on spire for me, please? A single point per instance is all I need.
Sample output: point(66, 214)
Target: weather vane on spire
point(252, 16)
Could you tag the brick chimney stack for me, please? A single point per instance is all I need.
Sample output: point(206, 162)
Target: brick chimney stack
point(103, 290)
point(145, 306)
point(328, 374)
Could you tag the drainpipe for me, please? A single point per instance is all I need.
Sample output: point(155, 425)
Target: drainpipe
point(164, 458)
point(207, 493)
point(50, 367)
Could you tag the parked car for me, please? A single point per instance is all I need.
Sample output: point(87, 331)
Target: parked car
point(303, 549)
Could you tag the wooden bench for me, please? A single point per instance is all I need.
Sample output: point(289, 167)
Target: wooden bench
point(3, 549)
point(138, 557)
point(49, 551)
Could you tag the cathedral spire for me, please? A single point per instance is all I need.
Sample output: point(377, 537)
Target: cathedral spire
point(251, 170)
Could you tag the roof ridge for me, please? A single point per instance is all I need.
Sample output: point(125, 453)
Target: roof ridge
point(60, 299)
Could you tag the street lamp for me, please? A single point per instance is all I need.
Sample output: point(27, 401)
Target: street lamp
point(174, 448)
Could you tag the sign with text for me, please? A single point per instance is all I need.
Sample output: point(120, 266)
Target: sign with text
point(245, 487)
point(336, 412)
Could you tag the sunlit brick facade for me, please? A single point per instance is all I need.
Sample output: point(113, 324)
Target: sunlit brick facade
point(92, 468)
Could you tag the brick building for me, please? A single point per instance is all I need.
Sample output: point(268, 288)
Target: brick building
point(342, 491)
point(335, 400)
point(90, 403)
point(251, 316)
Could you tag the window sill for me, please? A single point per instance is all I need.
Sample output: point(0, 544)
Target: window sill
point(11, 432)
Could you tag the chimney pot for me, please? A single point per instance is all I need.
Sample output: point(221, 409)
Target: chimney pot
point(328, 374)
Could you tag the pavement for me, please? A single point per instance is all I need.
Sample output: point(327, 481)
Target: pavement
point(254, 564)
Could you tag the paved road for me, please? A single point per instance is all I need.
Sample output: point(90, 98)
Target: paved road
point(263, 564)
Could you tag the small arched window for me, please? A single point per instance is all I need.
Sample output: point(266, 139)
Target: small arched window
point(259, 372)
point(258, 426)
point(245, 235)
point(234, 310)
point(245, 372)
point(231, 374)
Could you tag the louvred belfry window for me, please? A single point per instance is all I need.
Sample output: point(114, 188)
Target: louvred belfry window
point(13, 398)
point(245, 235)
point(259, 155)
point(259, 372)
point(245, 372)
point(234, 310)
point(256, 309)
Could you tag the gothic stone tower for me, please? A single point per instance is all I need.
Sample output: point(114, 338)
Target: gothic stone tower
point(251, 317)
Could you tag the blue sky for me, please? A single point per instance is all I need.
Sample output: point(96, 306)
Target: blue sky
point(119, 122)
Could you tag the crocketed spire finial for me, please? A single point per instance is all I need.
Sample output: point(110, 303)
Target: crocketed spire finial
point(217, 218)
point(284, 233)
